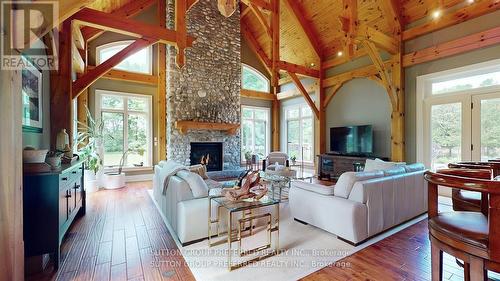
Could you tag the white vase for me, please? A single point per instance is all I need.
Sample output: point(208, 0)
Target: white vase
point(91, 183)
point(61, 140)
point(113, 180)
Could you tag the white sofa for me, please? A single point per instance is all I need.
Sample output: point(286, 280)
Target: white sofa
point(187, 214)
point(362, 204)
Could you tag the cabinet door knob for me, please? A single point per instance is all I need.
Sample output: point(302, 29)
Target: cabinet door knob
point(68, 194)
point(73, 172)
point(64, 179)
point(77, 186)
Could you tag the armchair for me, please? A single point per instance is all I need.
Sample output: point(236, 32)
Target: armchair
point(470, 236)
point(276, 157)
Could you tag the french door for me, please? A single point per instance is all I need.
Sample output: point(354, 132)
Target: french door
point(461, 127)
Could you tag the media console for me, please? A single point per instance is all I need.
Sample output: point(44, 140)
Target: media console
point(331, 166)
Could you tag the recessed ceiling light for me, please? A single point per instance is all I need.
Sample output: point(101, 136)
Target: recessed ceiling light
point(340, 53)
point(312, 64)
point(436, 14)
point(470, 1)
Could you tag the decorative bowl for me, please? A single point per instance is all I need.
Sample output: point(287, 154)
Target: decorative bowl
point(34, 155)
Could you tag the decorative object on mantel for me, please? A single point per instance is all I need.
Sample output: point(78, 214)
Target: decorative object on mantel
point(62, 140)
point(183, 126)
point(227, 7)
point(32, 155)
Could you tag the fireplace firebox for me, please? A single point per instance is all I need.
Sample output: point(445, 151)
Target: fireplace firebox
point(208, 153)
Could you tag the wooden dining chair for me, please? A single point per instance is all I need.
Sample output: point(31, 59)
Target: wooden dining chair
point(463, 200)
point(470, 236)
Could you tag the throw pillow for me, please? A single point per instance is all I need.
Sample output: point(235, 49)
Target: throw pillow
point(198, 186)
point(346, 181)
point(200, 170)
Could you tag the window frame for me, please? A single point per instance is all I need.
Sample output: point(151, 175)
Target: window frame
point(259, 74)
point(99, 48)
point(300, 107)
point(268, 128)
point(99, 93)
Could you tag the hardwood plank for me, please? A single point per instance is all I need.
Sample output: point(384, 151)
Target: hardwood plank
point(119, 272)
point(105, 251)
point(102, 272)
point(118, 252)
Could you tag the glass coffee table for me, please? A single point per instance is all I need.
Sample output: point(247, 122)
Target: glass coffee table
point(277, 181)
point(245, 224)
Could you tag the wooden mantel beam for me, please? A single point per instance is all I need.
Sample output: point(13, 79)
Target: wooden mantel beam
point(126, 26)
point(90, 77)
point(466, 13)
point(126, 11)
point(304, 93)
point(296, 10)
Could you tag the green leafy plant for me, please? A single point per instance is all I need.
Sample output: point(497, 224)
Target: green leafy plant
point(293, 158)
point(89, 136)
point(248, 155)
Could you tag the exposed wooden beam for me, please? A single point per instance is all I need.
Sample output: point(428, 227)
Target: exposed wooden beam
point(295, 68)
point(304, 93)
point(66, 9)
point(391, 9)
point(261, 18)
point(77, 37)
point(295, 92)
point(349, 22)
point(381, 40)
point(320, 136)
point(90, 77)
point(121, 75)
point(329, 98)
point(257, 95)
point(264, 4)
point(128, 10)
point(255, 47)
point(181, 31)
point(161, 90)
point(126, 26)
point(275, 49)
point(77, 63)
point(382, 70)
point(362, 72)
point(297, 12)
point(245, 10)
point(469, 12)
point(398, 112)
point(465, 44)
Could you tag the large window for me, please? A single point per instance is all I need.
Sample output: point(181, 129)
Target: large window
point(251, 79)
point(127, 128)
point(140, 61)
point(255, 136)
point(299, 124)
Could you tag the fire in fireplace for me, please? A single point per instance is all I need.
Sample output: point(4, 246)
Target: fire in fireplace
point(207, 153)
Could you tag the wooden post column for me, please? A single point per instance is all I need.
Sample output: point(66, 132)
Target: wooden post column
point(61, 82)
point(275, 28)
point(162, 87)
point(322, 113)
point(398, 113)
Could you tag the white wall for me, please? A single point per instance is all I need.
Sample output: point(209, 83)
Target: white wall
point(362, 102)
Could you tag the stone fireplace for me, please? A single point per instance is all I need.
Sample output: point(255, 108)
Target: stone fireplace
point(211, 152)
point(207, 88)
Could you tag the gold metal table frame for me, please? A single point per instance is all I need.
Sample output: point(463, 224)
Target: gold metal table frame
point(237, 235)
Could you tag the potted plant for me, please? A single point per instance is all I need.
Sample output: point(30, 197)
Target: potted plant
point(89, 140)
point(294, 159)
point(248, 158)
point(115, 180)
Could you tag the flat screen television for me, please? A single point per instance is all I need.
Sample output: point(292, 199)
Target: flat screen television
point(352, 140)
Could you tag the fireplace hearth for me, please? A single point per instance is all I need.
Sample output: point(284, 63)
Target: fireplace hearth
point(209, 153)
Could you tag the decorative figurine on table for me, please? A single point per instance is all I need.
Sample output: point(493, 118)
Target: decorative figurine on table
point(250, 188)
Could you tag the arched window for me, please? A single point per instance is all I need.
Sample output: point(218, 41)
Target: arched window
point(140, 61)
point(252, 79)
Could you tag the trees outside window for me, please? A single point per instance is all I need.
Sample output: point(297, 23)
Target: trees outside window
point(140, 61)
point(127, 127)
point(299, 132)
point(251, 79)
point(255, 131)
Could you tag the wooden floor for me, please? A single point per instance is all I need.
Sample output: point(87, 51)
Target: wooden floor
point(402, 256)
point(121, 237)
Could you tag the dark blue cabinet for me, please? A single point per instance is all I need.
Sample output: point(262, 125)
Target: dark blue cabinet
point(51, 202)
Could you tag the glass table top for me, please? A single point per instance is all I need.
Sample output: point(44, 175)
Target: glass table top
point(244, 204)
